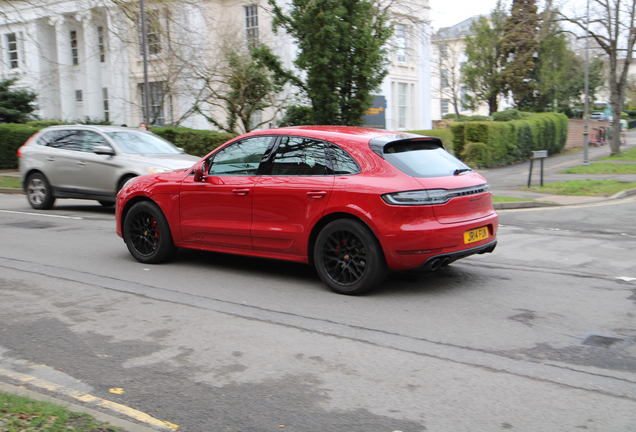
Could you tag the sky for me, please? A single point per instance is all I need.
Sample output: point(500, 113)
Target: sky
point(446, 13)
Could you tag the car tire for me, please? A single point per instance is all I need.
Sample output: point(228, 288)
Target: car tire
point(39, 192)
point(147, 234)
point(349, 258)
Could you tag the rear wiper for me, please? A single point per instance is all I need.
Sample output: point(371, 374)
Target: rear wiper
point(461, 170)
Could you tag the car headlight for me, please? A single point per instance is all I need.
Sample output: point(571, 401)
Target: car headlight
point(158, 169)
point(431, 196)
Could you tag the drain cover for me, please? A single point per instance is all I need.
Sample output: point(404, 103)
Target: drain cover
point(601, 341)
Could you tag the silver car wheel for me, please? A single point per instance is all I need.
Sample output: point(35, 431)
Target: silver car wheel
point(36, 191)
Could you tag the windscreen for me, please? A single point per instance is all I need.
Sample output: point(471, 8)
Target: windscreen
point(142, 143)
point(421, 159)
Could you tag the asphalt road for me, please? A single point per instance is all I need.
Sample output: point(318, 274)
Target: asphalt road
point(538, 336)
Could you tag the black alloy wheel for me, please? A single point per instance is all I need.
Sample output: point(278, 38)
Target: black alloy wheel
point(39, 193)
point(147, 234)
point(348, 257)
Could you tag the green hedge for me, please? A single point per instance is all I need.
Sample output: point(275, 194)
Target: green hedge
point(488, 144)
point(12, 136)
point(194, 141)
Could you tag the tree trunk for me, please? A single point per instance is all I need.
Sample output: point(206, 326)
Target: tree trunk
point(493, 105)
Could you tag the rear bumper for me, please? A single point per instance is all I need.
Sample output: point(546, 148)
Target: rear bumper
point(437, 262)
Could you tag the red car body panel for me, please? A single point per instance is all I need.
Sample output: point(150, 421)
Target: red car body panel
point(273, 216)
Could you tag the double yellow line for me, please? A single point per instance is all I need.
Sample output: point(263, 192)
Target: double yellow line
point(82, 397)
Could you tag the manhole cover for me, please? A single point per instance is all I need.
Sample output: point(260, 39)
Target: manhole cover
point(601, 341)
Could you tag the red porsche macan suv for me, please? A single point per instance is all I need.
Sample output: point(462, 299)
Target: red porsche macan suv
point(353, 202)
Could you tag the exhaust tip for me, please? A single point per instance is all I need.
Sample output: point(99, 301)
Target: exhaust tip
point(445, 262)
point(436, 264)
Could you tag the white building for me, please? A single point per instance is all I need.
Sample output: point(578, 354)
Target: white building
point(448, 57)
point(83, 58)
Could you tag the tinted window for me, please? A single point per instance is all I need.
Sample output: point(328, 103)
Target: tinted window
point(300, 156)
point(341, 162)
point(240, 158)
point(422, 160)
point(142, 143)
point(62, 139)
point(92, 139)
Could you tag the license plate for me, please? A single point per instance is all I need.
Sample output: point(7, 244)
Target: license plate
point(475, 235)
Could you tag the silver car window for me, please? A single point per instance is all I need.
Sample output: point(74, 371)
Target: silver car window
point(92, 139)
point(62, 139)
point(142, 143)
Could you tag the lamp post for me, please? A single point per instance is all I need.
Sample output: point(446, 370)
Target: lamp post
point(144, 49)
point(586, 137)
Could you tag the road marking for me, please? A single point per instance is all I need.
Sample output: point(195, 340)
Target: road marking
point(41, 214)
point(113, 406)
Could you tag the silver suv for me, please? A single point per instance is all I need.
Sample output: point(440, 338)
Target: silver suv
point(92, 162)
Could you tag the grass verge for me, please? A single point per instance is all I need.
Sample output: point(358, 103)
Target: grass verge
point(10, 182)
point(22, 414)
point(603, 168)
point(584, 187)
point(627, 155)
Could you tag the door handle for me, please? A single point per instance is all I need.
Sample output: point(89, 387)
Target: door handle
point(316, 194)
point(50, 159)
point(241, 191)
point(82, 163)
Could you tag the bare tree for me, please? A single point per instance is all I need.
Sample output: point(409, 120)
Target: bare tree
point(611, 26)
point(446, 74)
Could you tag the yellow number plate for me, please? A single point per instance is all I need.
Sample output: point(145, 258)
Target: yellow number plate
point(475, 235)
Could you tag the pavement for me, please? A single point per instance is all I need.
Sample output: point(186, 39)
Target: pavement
point(510, 180)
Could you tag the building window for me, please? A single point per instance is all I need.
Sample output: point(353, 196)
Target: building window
point(153, 32)
point(401, 105)
point(443, 50)
point(444, 106)
point(12, 50)
point(255, 119)
point(105, 98)
point(74, 51)
point(400, 39)
point(78, 96)
point(156, 116)
point(101, 44)
point(444, 78)
point(251, 25)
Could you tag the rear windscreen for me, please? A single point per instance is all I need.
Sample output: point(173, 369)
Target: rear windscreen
point(421, 159)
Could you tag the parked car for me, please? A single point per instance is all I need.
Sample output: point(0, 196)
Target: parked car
point(600, 116)
point(354, 202)
point(91, 162)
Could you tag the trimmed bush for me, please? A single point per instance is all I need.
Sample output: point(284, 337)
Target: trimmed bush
point(12, 137)
point(511, 141)
point(194, 141)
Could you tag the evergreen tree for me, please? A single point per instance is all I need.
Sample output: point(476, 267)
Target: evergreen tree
point(342, 55)
point(520, 47)
point(15, 105)
point(482, 73)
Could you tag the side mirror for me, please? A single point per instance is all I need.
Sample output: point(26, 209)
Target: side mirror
point(199, 172)
point(104, 150)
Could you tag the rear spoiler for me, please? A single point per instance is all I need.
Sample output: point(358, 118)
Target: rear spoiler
point(379, 144)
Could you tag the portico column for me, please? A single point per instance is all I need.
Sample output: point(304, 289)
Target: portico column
point(93, 106)
point(63, 48)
